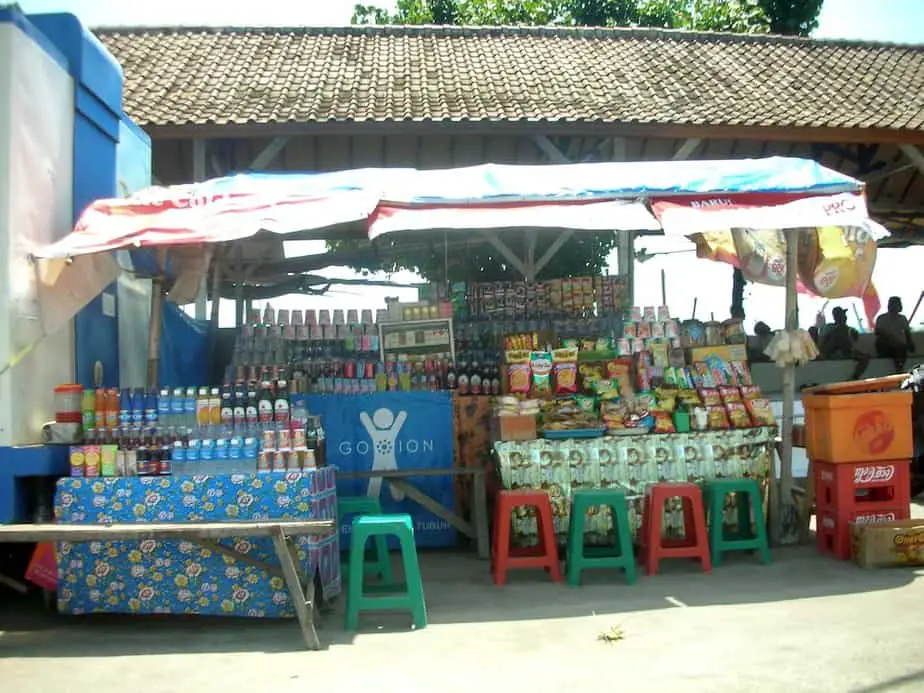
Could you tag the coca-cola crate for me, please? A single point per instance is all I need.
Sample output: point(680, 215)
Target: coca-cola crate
point(832, 529)
point(854, 485)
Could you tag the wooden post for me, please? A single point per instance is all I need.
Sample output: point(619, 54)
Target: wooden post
point(785, 524)
point(156, 321)
point(216, 307)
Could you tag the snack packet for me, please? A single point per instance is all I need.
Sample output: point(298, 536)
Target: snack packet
point(663, 423)
point(743, 373)
point(689, 397)
point(718, 418)
point(761, 412)
point(750, 392)
point(540, 364)
point(738, 415)
point(518, 372)
point(644, 330)
point(565, 370)
point(630, 331)
point(620, 370)
point(729, 394)
point(710, 397)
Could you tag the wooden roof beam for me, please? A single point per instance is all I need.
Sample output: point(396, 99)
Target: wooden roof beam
point(914, 155)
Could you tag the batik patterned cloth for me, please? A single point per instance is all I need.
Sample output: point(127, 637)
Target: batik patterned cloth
point(180, 576)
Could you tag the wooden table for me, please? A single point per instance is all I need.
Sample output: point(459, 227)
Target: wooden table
point(398, 478)
point(206, 534)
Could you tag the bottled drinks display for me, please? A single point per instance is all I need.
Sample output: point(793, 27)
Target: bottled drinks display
point(326, 354)
point(239, 428)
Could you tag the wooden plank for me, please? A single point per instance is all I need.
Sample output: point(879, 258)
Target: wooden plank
point(272, 570)
point(434, 507)
point(135, 532)
point(480, 515)
point(303, 609)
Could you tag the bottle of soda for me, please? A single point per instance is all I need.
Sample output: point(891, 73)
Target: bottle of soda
point(142, 454)
point(166, 454)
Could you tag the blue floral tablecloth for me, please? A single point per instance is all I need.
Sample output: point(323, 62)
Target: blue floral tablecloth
point(179, 576)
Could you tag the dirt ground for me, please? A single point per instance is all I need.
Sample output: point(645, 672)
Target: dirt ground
point(804, 623)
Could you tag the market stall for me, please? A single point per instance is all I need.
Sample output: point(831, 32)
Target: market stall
point(391, 409)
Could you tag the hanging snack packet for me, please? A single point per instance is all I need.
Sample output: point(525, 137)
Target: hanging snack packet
point(710, 397)
point(742, 371)
point(761, 412)
point(738, 415)
point(540, 364)
point(630, 331)
point(729, 394)
point(750, 392)
point(717, 418)
point(565, 370)
point(518, 372)
point(620, 370)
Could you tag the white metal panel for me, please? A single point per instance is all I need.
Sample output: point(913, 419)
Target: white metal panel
point(133, 164)
point(36, 179)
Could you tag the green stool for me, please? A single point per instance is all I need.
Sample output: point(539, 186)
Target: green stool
point(409, 596)
point(380, 565)
point(581, 557)
point(748, 494)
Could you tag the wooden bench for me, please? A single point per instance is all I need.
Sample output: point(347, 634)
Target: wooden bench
point(206, 534)
point(477, 530)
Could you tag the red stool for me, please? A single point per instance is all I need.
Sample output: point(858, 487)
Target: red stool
point(545, 555)
point(695, 543)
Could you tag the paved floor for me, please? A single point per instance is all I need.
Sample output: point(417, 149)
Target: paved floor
point(802, 624)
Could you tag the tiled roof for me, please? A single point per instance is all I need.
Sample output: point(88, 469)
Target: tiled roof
point(192, 76)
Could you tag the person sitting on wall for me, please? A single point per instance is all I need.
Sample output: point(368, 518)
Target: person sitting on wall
point(763, 335)
point(893, 335)
point(839, 341)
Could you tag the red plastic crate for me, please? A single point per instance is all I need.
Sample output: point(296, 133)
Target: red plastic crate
point(850, 486)
point(832, 530)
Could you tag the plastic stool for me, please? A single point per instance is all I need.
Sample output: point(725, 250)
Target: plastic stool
point(694, 545)
point(618, 556)
point(748, 493)
point(409, 596)
point(380, 565)
point(543, 556)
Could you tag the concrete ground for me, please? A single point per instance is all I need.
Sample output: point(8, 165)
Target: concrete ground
point(804, 623)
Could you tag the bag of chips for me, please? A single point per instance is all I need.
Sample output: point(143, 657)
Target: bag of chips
point(717, 418)
point(663, 423)
point(750, 392)
point(518, 372)
point(738, 415)
point(710, 397)
point(761, 412)
point(565, 370)
point(729, 394)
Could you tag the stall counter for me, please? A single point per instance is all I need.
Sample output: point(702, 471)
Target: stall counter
point(183, 577)
point(632, 463)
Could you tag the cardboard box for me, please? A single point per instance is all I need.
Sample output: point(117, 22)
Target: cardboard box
point(887, 544)
point(517, 427)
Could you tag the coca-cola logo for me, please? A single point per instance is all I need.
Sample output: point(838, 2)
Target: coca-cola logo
point(875, 518)
point(873, 432)
point(873, 473)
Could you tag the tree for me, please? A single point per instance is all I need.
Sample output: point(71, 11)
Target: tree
point(585, 254)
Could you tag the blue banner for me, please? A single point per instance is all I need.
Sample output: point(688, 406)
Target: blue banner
point(393, 430)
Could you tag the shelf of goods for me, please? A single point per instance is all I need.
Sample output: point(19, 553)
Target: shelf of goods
point(628, 411)
point(417, 339)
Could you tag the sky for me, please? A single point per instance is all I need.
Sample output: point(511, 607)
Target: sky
point(899, 21)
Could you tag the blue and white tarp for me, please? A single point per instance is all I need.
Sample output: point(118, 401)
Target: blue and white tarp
point(392, 430)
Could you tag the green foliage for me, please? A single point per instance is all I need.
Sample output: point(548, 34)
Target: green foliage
point(583, 254)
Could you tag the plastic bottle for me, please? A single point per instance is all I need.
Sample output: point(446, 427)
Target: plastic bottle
point(100, 410)
point(189, 409)
point(164, 418)
point(137, 408)
point(281, 411)
point(178, 458)
point(112, 408)
point(88, 409)
point(214, 409)
point(151, 407)
point(177, 407)
point(265, 404)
